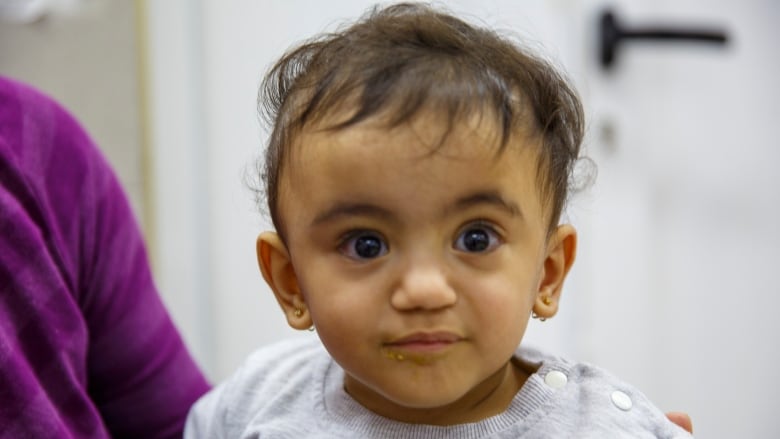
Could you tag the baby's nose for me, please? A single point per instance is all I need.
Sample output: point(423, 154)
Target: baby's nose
point(423, 288)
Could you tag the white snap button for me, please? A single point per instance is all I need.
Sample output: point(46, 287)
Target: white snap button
point(621, 400)
point(556, 379)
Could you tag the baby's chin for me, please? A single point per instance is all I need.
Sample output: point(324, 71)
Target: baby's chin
point(454, 400)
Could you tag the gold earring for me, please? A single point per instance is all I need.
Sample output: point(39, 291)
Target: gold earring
point(298, 312)
point(547, 301)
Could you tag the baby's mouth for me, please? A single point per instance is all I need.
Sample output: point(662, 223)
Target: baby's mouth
point(421, 344)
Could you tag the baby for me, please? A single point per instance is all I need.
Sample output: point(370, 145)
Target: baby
point(416, 173)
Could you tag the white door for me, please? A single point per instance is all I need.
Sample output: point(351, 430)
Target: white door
point(680, 243)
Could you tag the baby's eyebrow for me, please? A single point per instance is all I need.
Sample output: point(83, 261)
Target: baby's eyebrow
point(353, 209)
point(347, 209)
point(489, 197)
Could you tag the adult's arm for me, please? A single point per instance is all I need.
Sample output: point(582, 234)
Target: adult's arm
point(87, 348)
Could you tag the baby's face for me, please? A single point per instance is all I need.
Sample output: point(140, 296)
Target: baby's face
point(419, 268)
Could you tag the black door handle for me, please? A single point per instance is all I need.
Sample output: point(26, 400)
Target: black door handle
point(612, 34)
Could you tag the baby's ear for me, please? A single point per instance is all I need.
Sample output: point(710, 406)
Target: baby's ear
point(561, 252)
point(276, 266)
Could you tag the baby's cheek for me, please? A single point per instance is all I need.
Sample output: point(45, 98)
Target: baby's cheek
point(504, 306)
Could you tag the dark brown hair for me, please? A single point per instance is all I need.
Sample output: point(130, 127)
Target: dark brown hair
point(402, 58)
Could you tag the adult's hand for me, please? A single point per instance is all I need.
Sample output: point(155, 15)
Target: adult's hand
point(681, 419)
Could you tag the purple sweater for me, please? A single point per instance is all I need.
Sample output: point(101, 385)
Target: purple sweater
point(87, 349)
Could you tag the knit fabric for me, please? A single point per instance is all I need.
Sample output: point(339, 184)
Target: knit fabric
point(294, 389)
point(87, 349)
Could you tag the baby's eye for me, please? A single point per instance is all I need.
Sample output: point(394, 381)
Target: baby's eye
point(477, 239)
point(363, 245)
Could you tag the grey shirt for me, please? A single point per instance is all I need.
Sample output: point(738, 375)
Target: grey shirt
point(294, 389)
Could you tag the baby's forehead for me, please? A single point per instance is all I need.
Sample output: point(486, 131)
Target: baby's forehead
point(432, 128)
point(416, 144)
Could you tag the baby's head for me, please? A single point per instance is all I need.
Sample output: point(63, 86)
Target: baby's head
point(415, 173)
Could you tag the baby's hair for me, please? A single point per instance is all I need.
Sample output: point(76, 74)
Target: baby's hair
point(399, 60)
